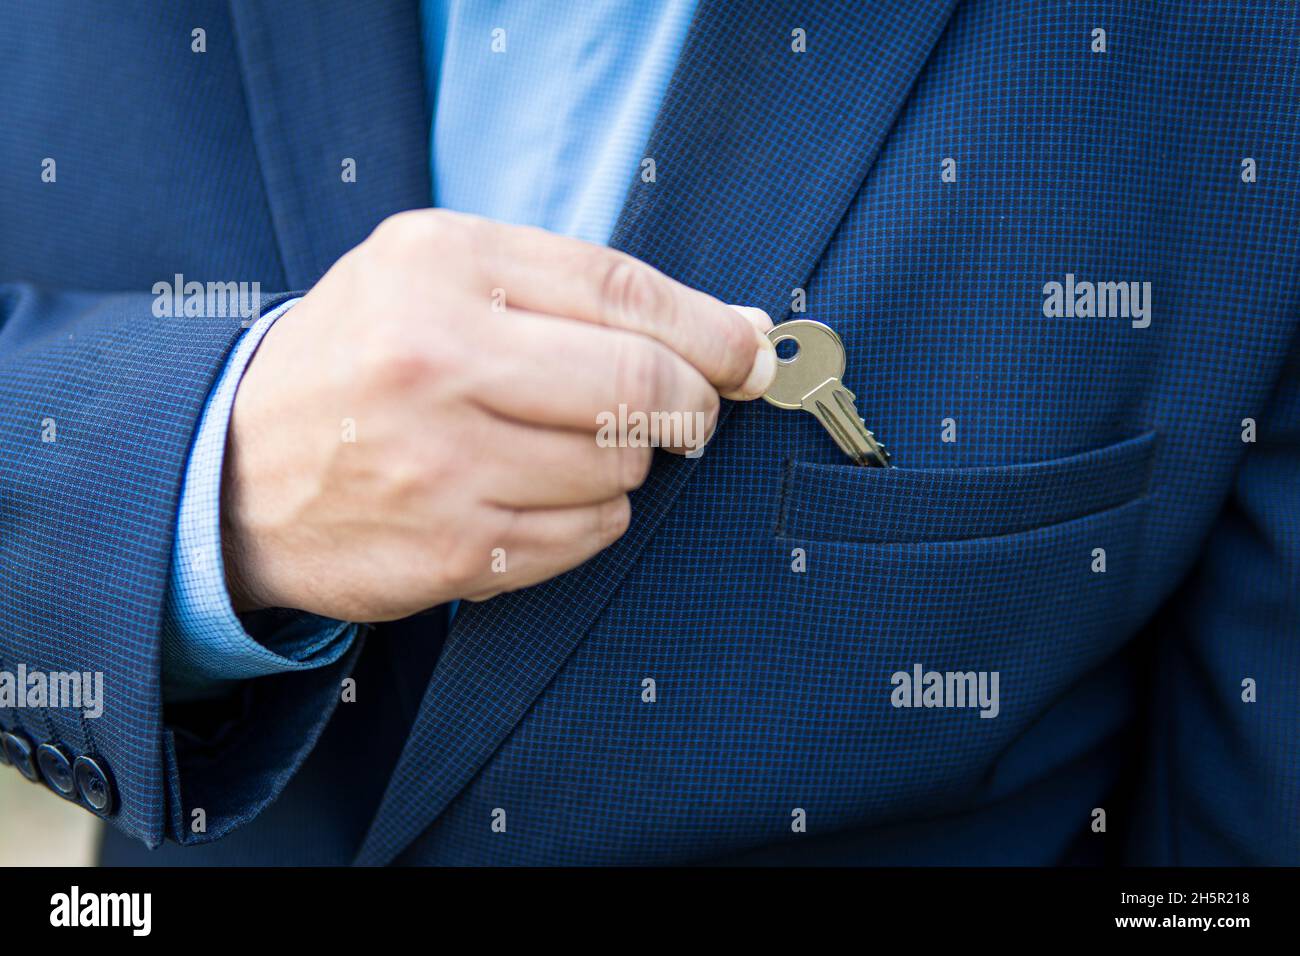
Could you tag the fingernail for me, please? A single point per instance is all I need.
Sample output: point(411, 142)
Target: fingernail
point(756, 317)
point(764, 370)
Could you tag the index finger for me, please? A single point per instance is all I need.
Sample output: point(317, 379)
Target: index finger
point(567, 277)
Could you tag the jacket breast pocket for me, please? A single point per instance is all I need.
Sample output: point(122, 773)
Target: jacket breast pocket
point(1029, 572)
point(912, 506)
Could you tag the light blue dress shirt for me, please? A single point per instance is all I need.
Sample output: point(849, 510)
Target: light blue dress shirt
point(205, 645)
point(543, 110)
point(541, 113)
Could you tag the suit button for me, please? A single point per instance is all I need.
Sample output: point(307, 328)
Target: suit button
point(94, 784)
point(19, 751)
point(56, 768)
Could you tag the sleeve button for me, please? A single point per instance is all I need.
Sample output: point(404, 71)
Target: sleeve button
point(18, 750)
point(94, 784)
point(56, 768)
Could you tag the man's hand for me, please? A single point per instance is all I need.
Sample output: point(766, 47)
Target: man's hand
point(394, 430)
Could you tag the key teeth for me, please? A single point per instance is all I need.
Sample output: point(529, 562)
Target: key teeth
point(884, 452)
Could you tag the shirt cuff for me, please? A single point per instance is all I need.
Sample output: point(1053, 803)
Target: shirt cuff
point(205, 645)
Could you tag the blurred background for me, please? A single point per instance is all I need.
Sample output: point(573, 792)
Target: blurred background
point(38, 828)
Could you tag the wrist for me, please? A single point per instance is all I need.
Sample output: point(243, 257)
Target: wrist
point(237, 558)
point(243, 543)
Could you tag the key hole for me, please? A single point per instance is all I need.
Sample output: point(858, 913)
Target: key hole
point(787, 349)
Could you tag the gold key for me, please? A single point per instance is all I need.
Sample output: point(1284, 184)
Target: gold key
point(811, 381)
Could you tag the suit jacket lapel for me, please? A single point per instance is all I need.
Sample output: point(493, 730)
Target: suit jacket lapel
point(328, 82)
point(758, 152)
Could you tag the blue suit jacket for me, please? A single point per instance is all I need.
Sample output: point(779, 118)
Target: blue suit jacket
point(777, 171)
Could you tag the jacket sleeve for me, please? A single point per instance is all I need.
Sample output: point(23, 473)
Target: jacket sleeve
point(99, 400)
point(1222, 775)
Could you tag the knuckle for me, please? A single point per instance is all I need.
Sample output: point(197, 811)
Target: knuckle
point(640, 372)
point(739, 345)
point(710, 405)
point(404, 479)
point(634, 467)
point(400, 352)
point(392, 361)
point(740, 338)
point(466, 564)
point(463, 232)
point(629, 292)
point(422, 232)
point(613, 518)
point(408, 225)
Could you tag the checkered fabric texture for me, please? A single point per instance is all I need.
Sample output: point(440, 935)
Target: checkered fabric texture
point(1119, 689)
